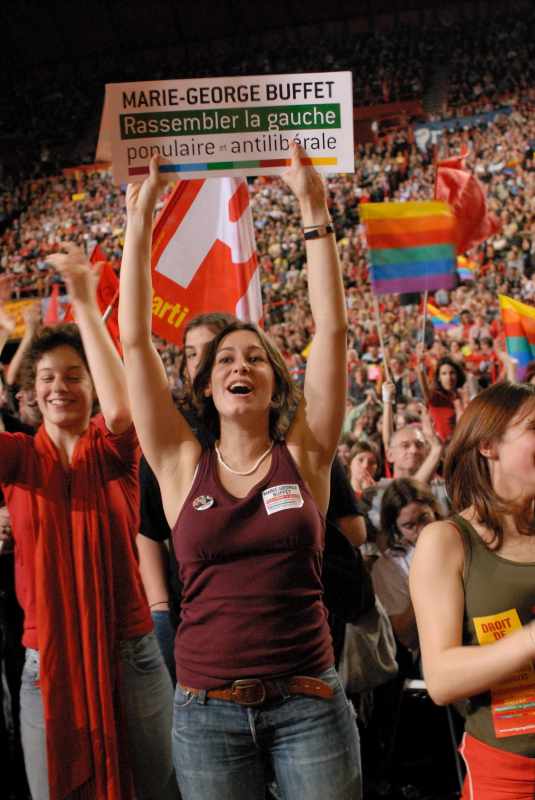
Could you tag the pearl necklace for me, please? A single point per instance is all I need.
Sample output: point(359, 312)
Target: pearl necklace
point(250, 472)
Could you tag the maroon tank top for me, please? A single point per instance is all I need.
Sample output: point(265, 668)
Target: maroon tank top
point(252, 598)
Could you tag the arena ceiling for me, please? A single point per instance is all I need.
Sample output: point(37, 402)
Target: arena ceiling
point(38, 34)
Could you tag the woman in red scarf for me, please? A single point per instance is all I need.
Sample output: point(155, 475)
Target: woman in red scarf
point(96, 700)
point(443, 397)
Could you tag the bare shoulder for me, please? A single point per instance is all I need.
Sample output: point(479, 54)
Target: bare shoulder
point(436, 579)
point(440, 544)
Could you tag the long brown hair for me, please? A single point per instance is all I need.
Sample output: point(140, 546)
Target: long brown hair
point(461, 377)
point(285, 397)
point(215, 322)
point(400, 493)
point(466, 470)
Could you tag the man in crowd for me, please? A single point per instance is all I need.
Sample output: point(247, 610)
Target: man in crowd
point(412, 453)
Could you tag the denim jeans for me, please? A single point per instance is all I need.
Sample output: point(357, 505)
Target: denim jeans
point(221, 749)
point(166, 635)
point(148, 698)
point(12, 773)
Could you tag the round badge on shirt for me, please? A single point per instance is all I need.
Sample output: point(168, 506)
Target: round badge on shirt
point(203, 502)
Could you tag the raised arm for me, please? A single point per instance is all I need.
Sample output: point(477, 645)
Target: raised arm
point(7, 321)
point(436, 448)
point(509, 363)
point(421, 374)
point(166, 439)
point(32, 319)
point(388, 390)
point(452, 671)
point(82, 278)
point(314, 434)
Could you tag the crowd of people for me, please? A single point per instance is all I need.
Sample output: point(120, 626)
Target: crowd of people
point(54, 128)
point(490, 59)
point(487, 58)
point(433, 423)
point(88, 209)
point(407, 390)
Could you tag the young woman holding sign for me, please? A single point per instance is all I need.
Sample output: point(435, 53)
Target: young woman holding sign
point(254, 657)
point(473, 583)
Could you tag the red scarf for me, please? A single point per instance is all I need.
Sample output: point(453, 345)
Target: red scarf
point(81, 679)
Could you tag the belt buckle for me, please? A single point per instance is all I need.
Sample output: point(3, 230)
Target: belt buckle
point(248, 682)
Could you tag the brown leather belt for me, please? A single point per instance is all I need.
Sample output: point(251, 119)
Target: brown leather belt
point(256, 691)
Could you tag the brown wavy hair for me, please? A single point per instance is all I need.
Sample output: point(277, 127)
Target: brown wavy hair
point(366, 447)
point(285, 397)
point(47, 339)
point(66, 334)
point(461, 377)
point(466, 470)
point(400, 493)
point(215, 321)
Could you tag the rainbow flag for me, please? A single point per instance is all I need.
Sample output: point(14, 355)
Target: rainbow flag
point(441, 321)
point(519, 327)
point(411, 246)
point(464, 268)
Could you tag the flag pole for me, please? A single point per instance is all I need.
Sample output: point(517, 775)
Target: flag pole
point(380, 331)
point(424, 322)
point(109, 311)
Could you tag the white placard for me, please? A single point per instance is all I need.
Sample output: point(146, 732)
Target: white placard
point(215, 127)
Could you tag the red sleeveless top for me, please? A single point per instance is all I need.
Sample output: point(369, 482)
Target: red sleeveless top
point(251, 568)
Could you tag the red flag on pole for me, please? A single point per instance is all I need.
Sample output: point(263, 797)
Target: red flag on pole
point(204, 256)
point(52, 313)
point(464, 193)
point(108, 295)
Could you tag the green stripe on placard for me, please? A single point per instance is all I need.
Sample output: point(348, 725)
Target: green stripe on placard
point(262, 119)
point(234, 165)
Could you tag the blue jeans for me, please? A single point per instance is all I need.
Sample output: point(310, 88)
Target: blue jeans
point(221, 749)
point(148, 699)
point(166, 635)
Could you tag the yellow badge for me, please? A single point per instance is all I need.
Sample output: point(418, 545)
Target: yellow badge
point(513, 698)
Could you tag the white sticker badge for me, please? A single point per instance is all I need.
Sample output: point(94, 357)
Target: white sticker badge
point(280, 497)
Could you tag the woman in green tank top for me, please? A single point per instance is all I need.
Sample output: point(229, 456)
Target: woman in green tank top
point(472, 584)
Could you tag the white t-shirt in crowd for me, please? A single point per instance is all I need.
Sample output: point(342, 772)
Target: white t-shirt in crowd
point(390, 576)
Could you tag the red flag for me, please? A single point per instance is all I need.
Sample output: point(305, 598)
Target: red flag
point(107, 294)
point(56, 308)
point(464, 193)
point(204, 256)
point(69, 316)
point(52, 313)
